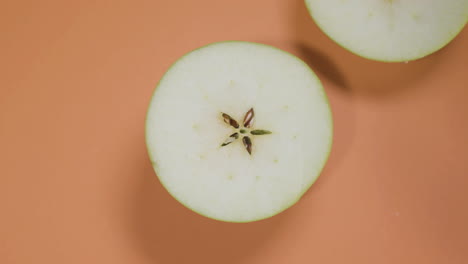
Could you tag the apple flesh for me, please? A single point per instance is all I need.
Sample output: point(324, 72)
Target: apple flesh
point(390, 30)
point(284, 130)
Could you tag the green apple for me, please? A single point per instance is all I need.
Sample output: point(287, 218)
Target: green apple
point(238, 131)
point(390, 30)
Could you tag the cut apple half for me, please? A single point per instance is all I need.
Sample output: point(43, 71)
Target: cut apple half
point(238, 131)
point(390, 30)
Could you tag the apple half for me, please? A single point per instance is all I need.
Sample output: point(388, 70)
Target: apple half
point(238, 131)
point(390, 30)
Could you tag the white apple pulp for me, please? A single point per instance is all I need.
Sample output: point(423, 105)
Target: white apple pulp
point(185, 130)
point(390, 30)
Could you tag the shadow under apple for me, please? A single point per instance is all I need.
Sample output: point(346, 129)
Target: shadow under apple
point(167, 232)
point(364, 77)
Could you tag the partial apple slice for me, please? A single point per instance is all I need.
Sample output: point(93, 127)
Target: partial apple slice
point(390, 30)
point(238, 131)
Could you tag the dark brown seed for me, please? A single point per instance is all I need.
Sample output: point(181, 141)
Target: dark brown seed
point(247, 144)
point(230, 121)
point(230, 139)
point(260, 132)
point(249, 118)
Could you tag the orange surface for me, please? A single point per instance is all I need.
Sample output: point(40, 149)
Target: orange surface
point(76, 185)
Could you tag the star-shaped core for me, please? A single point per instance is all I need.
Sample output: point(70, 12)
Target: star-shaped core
point(243, 131)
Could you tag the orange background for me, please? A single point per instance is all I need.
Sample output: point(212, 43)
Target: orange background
point(76, 185)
